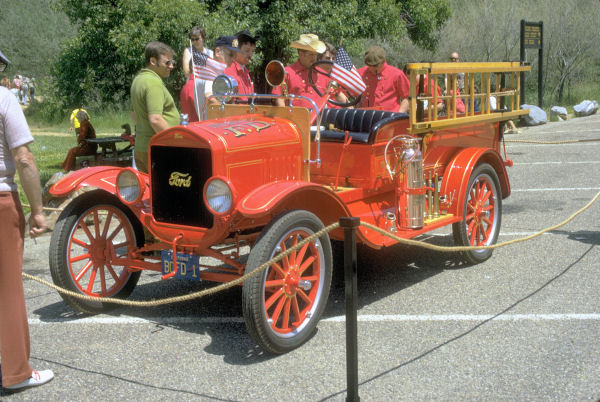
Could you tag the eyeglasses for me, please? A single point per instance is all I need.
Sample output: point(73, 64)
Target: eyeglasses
point(195, 39)
point(168, 62)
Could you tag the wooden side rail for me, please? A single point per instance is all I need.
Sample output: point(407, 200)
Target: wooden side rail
point(433, 86)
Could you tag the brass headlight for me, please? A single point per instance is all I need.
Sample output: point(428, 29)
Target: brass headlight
point(130, 186)
point(218, 196)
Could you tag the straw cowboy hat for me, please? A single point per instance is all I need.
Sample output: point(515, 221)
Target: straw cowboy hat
point(309, 42)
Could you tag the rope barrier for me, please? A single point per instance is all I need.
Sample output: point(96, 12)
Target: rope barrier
point(551, 142)
point(278, 257)
point(44, 208)
point(191, 296)
point(493, 246)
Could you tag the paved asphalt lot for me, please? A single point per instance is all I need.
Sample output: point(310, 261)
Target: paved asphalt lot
point(522, 326)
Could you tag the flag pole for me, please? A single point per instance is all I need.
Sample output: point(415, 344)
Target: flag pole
point(200, 118)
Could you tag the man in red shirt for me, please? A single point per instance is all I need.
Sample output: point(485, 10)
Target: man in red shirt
point(296, 80)
point(238, 70)
point(387, 86)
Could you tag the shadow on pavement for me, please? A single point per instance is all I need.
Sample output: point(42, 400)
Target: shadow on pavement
point(381, 273)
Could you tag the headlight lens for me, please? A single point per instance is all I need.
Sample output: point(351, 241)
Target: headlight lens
point(128, 186)
point(223, 87)
point(219, 196)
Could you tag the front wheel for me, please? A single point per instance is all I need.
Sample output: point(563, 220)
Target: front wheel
point(90, 236)
point(283, 304)
point(482, 212)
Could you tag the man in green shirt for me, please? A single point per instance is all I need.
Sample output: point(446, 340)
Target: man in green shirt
point(152, 106)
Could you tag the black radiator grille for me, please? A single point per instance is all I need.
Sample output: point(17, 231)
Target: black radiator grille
point(178, 177)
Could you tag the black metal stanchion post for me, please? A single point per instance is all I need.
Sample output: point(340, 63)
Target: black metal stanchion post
point(350, 225)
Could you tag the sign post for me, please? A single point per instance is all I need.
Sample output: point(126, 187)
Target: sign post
point(532, 34)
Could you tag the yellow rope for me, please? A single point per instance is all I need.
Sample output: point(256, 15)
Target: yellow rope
point(195, 295)
point(551, 142)
point(44, 208)
point(469, 248)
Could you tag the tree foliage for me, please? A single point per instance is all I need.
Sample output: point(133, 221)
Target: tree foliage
point(99, 64)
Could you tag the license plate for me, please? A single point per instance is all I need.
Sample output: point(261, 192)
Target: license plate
point(188, 265)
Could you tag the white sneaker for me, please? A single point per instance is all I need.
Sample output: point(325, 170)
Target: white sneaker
point(37, 378)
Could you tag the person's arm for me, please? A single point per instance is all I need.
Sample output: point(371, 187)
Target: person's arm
point(186, 61)
point(208, 92)
point(30, 181)
point(157, 122)
point(403, 106)
point(403, 92)
point(82, 134)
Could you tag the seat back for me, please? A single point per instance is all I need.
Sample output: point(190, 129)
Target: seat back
point(361, 124)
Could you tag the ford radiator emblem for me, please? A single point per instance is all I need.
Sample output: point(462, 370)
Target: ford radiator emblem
point(180, 179)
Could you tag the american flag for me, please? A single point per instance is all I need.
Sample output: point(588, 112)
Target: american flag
point(345, 74)
point(207, 68)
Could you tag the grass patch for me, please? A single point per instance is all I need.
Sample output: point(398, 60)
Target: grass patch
point(106, 120)
point(53, 139)
point(49, 150)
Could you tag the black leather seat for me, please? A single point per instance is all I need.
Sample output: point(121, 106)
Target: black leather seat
point(361, 124)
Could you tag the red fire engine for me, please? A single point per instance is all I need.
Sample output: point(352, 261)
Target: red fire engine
point(266, 177)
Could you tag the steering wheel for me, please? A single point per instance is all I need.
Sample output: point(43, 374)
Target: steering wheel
point(398, 151)
point(313, 69)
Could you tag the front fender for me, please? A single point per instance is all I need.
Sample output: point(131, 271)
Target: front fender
point(458, 172)
point(273, 198)
point(100, 177)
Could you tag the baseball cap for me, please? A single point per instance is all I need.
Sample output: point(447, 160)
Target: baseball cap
point(230, 42)
point(245, 36)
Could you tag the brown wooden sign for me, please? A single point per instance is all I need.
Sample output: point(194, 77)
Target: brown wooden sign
point(532, 35)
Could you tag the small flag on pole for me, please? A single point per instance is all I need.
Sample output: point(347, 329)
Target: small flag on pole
point(345, 74)
point(207, 68)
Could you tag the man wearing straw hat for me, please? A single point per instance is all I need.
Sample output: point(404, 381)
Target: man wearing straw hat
point(296, 80)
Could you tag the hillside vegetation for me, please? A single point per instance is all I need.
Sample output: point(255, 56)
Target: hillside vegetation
point(32, 34)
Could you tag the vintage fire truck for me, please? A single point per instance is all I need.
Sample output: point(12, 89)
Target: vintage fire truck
point(261, 177)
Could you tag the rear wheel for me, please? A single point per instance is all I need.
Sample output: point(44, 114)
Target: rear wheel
point(482, 212)
point(90, 235)
point(283, 304)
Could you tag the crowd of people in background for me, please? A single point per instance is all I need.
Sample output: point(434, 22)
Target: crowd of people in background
point(21, 86)
point(383, 86)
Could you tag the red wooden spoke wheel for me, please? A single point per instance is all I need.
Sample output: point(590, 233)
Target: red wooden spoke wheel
point(481, 214)
point(90, 237)
point(283, 304)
